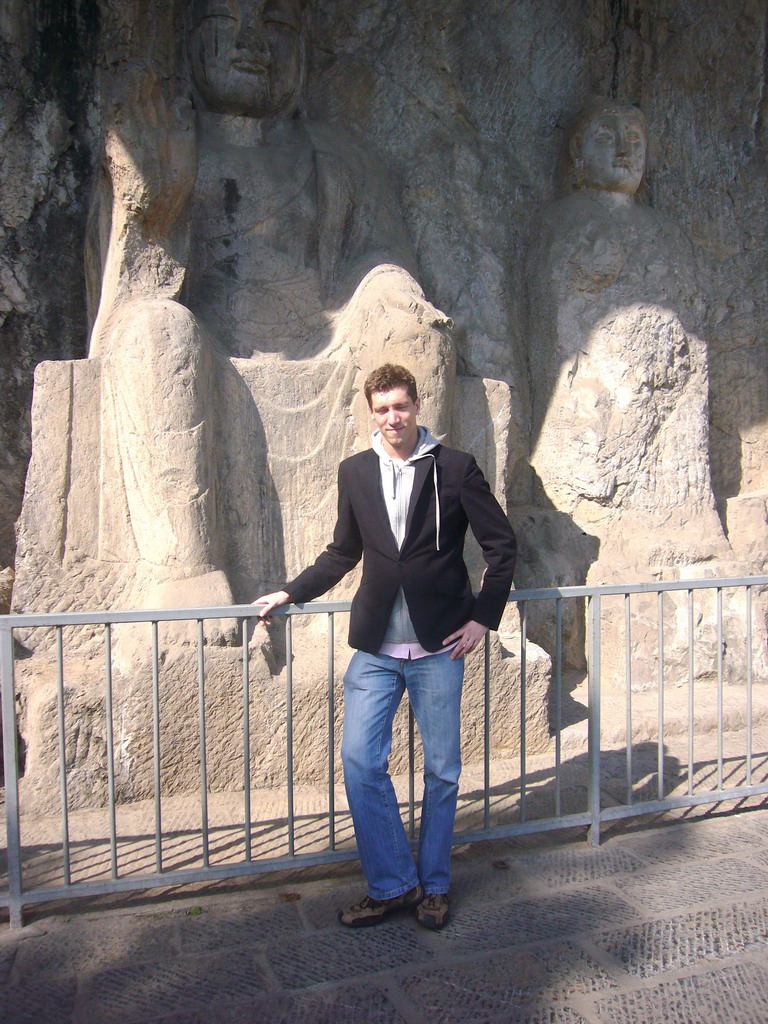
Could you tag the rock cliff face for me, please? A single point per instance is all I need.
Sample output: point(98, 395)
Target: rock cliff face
point(47, 60)
point(611, 376)
point(469, 106)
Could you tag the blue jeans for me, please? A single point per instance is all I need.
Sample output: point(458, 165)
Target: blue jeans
point(373, 687)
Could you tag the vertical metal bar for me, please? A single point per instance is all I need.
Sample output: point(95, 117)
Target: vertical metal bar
point(289, 734)
point(593, 725)
point(719, 687)
point(628, 680)
point(411, 774)
point(246, 742)
point(110, 747)
point(691, 702)
point(749, 685)
point(660, 744)
point(331, 736)
point(487, 732)
point(11, 770)
point(558, 702)
point(62, 755)
point(201, 726)
point(523, 737)
point(156, 748)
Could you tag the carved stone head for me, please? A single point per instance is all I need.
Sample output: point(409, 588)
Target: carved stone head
point(247, 56)
point(608, 146)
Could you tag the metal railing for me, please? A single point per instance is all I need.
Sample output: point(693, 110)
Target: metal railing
point(699, 646)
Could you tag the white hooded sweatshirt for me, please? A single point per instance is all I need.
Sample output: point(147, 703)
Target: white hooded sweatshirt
point(397, 476)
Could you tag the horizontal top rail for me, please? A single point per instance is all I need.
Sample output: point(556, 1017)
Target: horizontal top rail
point(247, 611)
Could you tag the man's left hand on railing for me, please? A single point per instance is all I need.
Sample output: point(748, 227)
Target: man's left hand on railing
point(270, 602)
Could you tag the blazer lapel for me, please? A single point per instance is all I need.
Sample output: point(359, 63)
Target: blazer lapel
point(376, 510)
point(424, 469)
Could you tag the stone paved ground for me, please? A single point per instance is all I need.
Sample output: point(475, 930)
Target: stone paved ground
point(666, 921)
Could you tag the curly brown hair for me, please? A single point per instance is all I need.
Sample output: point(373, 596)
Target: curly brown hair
point(387, 378)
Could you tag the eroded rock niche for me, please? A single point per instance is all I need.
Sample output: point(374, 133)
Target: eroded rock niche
point(272, 199)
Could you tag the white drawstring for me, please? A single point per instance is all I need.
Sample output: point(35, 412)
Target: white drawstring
point(397, 474)
point(437, 500)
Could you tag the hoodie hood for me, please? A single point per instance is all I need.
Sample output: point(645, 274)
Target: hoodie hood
point(424, 446)
point(397, 472)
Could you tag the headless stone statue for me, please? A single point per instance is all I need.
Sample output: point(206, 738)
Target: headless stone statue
point(246, 268)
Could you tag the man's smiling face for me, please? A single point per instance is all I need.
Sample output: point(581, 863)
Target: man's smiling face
point(394, 413)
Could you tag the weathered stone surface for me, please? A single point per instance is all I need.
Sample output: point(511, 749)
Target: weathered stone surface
point(517, 982)
point(662, 888)
point(322, 957)
point(457, 116)
point(6, 586)
point(46, 73)
point(567, 867)
point(556, 916)
point(226, 239)
point(254, 926)
point(469, 108)
point(84, 697)
point(100, 946)
point(49, 1000)
point(620, 434)
point(736, 994)
point(655, 947)
point(84, 704)
point(188, 983)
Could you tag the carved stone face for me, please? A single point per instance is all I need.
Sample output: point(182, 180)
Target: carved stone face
point(246, 56)
point(609, 151)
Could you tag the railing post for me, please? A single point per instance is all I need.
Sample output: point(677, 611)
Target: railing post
point(11, 768)
point(203, 741)
point(411, 774)
point(487, 731)
point(331, 734)
point(246, 739)
point(289, 735)
point(593, 730)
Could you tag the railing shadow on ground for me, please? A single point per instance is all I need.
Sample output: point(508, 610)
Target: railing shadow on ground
point(90, 858)
point(524, 793)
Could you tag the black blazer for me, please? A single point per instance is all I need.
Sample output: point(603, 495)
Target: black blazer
point(436, 583)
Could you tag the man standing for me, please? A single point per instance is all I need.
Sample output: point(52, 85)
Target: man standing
point(404, 506)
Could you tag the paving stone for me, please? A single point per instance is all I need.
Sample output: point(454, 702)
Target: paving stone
point(674, 887)
point(337, 1006)
point(45, 1002)
point(471, 883)
point(475, 992)
point(656, 947)
point(271, 1008)
point(736, 995)
point(525, 1012)
point(147, 991)
point(761, 857)
point(566, 867)
point(539, 804)
point(7, 956)
point(247, 1014)
point(340, 953)
point(344, 1006)
point(546, 917)
point(320, 909)
point(81, 946)
point(249, 926)
point(480, 883)
point(697, 840)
